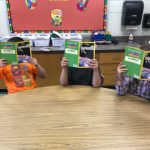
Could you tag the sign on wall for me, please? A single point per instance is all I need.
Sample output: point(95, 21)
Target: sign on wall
point(60, 15)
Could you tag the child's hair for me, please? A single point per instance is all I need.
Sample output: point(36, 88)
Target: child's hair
point(15, 39)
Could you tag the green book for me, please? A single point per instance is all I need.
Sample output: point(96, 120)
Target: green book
point(15, 52)
point(8, 52)
point(72, 52)
point(136, 62)
point(79, 53)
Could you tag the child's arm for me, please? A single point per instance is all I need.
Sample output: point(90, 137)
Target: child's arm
point(64, 72)
point(41, 70)
point(122, 85)
point(97, 79)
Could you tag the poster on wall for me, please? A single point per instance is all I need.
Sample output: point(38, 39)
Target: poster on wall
point(48, 15)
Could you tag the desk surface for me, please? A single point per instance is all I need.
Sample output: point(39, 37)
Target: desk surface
point(73, 118)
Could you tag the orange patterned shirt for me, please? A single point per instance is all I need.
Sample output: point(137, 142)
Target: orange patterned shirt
point(19, 77)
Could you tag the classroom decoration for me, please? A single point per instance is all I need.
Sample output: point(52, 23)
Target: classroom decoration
point(79, 53)
point(31, 4)
point(64, 16)
point(137, 62)
point(56, 15)
point(82, 4)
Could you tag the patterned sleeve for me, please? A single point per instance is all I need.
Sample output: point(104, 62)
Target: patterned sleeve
point(123, 88)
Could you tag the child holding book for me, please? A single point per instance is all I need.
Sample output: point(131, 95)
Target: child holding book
point(22, 76)
point(126, 84)
point(81, 76)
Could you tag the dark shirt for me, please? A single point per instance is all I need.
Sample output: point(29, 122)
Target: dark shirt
point(80, 76)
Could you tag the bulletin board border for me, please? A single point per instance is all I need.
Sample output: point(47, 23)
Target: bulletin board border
point(50, 31)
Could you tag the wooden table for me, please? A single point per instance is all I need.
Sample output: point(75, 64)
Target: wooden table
point(73, 118)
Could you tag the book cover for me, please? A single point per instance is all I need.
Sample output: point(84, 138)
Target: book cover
point(87, 52)
point(8, 52)
point(79, 53)
point(23, 51)
point(15, 52)
point(145, 75)
point(133, 60)
point(72, 53)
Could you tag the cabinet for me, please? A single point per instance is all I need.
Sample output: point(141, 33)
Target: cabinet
point(51, 63)
point(108, 63)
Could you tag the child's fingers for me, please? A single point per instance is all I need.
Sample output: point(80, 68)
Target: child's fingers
point(64, 59)
point(123, 67)
point(32, 62)
point(93, 65)
point(93, 60)
point(64, 63)
point(124, 70)
point(3, 59)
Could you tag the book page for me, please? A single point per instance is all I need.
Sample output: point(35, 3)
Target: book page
point(8, 52)
point(146, 67)
point(71, 52)
point(87, 52)
point(23, 51)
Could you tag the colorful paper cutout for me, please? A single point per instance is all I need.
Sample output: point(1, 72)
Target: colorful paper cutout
point(82, 4)
point(31, 4)
point(56, 15)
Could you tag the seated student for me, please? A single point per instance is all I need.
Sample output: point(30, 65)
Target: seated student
point(22, 76)
point(125, 84)
point(81, 76)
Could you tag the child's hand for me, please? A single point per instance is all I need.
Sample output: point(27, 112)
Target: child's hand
point(93, 63)
point(34, 61)
point(121, 69)
point(3, 62)
point(64, 62)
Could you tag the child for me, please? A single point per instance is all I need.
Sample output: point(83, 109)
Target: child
point(125, 84)
point(81, 76)
point(22, 76)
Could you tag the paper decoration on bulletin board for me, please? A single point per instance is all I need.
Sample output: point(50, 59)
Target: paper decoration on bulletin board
point(30, 16)
point(56, 17)
point(31, 4)
point(82, 4)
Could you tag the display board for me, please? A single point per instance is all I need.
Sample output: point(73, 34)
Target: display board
point(60, 15)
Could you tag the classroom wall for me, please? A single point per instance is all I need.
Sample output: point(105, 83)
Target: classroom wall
point(3, 18)
point(113, 19)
